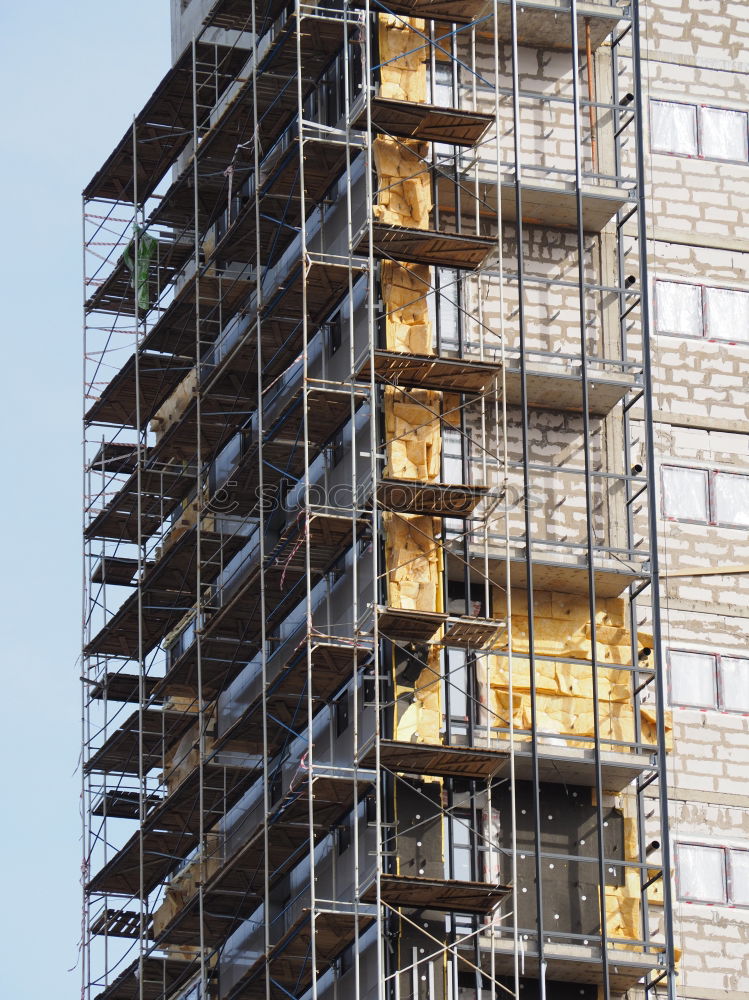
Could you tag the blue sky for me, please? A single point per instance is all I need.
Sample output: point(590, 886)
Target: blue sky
point(73, 74)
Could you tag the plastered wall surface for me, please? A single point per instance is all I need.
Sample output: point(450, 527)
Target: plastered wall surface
point(714, 938)
point(551, 305)
point(547, 127)
point(557, 498)
point(701, 197)
point(712, 32)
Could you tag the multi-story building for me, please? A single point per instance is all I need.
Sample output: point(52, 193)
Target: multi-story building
point(698, 174)
point(413, 349)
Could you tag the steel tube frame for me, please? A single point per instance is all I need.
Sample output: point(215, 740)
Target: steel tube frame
point(524, 282)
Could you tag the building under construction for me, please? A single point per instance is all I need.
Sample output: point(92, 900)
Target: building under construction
point(409, 328)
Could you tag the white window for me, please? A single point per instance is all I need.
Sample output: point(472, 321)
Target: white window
point(449, 322)
point(459, 834)
point(685, 493)
point(701, 873)
point(452, 456)
point(693, 679)
point(723, 134)
point(442, 85)
point(709, 680)
point(731, 498)
point(685, 130)
point(734, 683)
point(678, 308)
point(739, 889)
point(673, 128)
point(712, 874)
point(710, 497)
point(726, 314)
point(687, 310)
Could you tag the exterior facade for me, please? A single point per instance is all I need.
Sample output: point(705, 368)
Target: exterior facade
point(416, 505)
point(697, 241)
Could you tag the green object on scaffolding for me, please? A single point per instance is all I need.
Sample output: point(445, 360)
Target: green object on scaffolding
point(146, 248)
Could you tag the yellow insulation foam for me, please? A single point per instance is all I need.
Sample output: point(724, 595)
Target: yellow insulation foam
point(413, 437)
point(175, 405)
point(412, 562)
point(623, 906)
point(404, 183)
point(421, 722)
point(404, 290)
point(412, 434)
point(184, 757)
point(184, 885)
point(403, 54)
point(564, 701)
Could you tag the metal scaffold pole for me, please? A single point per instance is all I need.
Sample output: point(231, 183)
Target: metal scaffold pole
point(360, 655)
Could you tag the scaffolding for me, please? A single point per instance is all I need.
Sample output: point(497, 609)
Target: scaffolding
point(365, 321)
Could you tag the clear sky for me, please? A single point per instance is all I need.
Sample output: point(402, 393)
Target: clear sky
point(73, 73)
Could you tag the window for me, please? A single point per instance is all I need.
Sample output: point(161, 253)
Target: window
point(723, 134)
point(709, 680)
point(346, 961)
point(341, 714)
point(447, 296)
point(335, 333)
point(731, 498)
point(739, 877)
point(442, 84)
point(461, 840)
point(335, 451)
point(452, 456)
point(370, 809)
point(275, 789)
point(687, 310)
point(705, 496)
point(685, 493)
point(368, 687)
point(734, 683)
point(693, 679)
point(673, 128)
point(702, 873)
point(712, 874)
point(678, 308)
point(456, 685)
point(726, 314)
point(344, 837)
point(688, 130)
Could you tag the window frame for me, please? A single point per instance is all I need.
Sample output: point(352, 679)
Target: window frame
point(722, 707)
point(712, 521)
point(685, 104)
point(657, 310)
point(718, 683)
point(682, 704)
point(694, 899)
point(698, 108)
point(704, 288)
point(728, 876)
point(721, 159)
point(730, 851)
point(460, 818)
point(343, 836)
point(341, 714)
point(674, 517)
point(713, 498)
